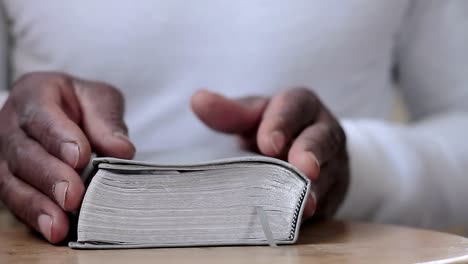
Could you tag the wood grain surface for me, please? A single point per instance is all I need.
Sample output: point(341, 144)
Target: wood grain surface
point(327, 242)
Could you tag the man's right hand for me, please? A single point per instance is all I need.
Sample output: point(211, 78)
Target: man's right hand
point(50, 125)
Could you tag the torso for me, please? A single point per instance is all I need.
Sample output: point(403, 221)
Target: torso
point(159, 52)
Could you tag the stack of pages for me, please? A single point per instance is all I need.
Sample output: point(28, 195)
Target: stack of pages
point(251, 200)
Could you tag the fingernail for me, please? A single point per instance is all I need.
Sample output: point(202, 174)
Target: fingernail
point(277, 141)
point(315, 163)
point(71, 153)
point(60, 192)
point(45, 225)
point(121, 135)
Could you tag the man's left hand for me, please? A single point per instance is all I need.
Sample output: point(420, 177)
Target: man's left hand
point(294, 126)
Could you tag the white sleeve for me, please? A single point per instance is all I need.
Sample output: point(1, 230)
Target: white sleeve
point(3, 56)
point(417, 173)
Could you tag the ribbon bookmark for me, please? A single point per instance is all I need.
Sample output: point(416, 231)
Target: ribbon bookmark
point(265, 226)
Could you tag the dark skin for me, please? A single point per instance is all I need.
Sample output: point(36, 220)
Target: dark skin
point(52, 122)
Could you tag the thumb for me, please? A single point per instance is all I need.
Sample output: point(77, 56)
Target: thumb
point(226, 115)
point(102, 109)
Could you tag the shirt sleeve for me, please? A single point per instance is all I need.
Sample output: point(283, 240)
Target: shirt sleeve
point(417, 173)
point(3, 56)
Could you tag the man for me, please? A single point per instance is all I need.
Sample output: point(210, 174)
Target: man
point(292, 79)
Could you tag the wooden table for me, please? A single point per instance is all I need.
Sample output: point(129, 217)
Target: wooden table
point(328, 242)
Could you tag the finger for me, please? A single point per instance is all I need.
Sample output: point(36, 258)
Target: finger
point(331, 191)
point(30, 162)
point(102, 108)
point(57, 133)
point(50, 114)
point(310, 207)
point(32, 207)
point(49, 87)
point(314, 147)
point(226, 115)
point(284, 118)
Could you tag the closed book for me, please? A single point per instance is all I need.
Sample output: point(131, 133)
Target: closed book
point(251, 200)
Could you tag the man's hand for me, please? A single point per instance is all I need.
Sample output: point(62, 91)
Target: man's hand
point(50, 124)
point(294, 126)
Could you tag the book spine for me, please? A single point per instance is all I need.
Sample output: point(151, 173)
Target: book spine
point(296, 213)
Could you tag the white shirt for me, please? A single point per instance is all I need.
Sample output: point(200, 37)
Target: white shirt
point(159, 52)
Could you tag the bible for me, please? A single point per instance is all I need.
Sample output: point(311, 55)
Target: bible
point(251, 200)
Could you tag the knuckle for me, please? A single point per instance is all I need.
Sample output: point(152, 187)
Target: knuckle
point(43, 80)
point(32, 167)
point(9, 147)
point(112, 105)
point(26, 78)
point(58, 79)
point(289, 106)
point(110, 99)
point(29, 200)
point(46, 175)
point(16, 154)
point(47, 133)
point(300, 101)
point(32, 89)
point(19, 151)
point(110, 91)
point(42, 126)
point(18, 88)
point(38, 122)
point(5, 141)
point(105, 100)
point(28, 116)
